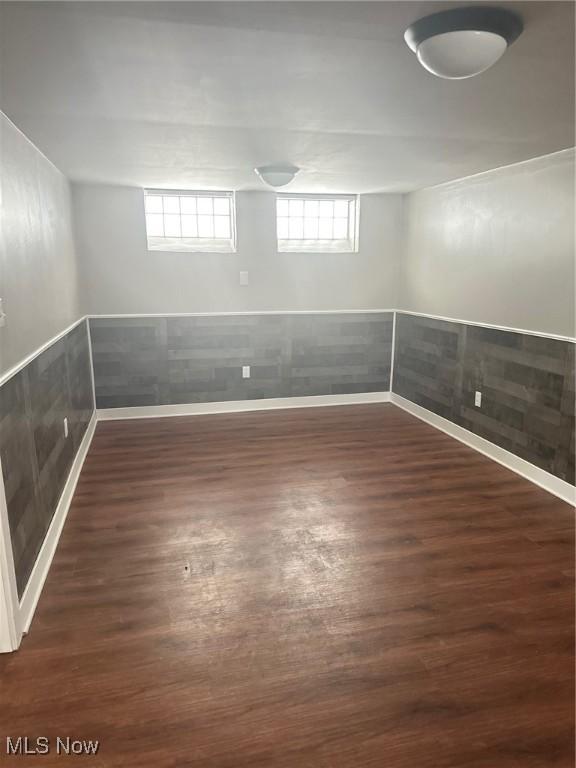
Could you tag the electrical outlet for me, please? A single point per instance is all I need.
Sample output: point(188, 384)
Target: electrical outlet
point(478, 399)
point(243, 278)
point(245, 371)
point(65, 426)
point(2, 314)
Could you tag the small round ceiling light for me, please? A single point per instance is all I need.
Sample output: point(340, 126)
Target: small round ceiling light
point(276, 175)
point(463, 42)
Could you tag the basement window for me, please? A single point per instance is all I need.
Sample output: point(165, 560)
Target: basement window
point(317, 223)
point(190, 221)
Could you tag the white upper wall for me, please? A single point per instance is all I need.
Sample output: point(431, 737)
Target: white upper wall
point(38, 279)
point(120, 276)
point(495, 248)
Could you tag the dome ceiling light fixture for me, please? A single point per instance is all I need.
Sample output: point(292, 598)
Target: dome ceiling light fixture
point(277, 175)
point(463, 42)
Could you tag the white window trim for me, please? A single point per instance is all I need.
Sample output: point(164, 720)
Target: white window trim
point(305, 245)
point(193, 244)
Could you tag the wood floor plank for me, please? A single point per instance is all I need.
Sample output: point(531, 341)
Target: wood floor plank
point(340, 587)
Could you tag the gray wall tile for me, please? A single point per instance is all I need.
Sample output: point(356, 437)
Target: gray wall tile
point(198, 359)
point(81, 406)
point(527, 385)
point(129, 361)
point(206, 355)
point(49, 404)
point(427, 364)
point(36, 457)
point(20, 471)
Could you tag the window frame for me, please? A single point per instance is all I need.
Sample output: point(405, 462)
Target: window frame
point(191, 244)
point(350, 244)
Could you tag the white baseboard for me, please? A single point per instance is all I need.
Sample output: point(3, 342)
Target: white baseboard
point(236, 406)
point(540, 477)
point(42, 565)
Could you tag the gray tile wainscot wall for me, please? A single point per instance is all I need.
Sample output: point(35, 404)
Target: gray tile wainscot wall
point(526, 381)
point(36, 456)
point(198, 359)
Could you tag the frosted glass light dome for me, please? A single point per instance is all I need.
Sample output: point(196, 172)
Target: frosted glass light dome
point(276, 175)
point(463, 42)
point(458, 55)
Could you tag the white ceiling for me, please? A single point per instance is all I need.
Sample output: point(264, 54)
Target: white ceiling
point(196, 94)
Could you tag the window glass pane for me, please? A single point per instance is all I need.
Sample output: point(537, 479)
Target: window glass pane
point(296, 207)
point(311, 208)
point(171, 204)
point(221, 206)
point(189, 226)
point(316, 224)
point(340, 229)
point(205, 226)
point(325, 229)
point(187, 204)
point(296, 227)
point(205, 205)
point(283, 228)
point(185, 219)
point(171, 225)
point(153, 204)
point(341, 208)
point(311, 229)
point(154, 225)
point(221, 226)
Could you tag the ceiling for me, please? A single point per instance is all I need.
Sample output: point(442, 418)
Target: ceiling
point(196, 95)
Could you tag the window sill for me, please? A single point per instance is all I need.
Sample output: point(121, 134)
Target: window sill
point(316, 248)
point(179, 246)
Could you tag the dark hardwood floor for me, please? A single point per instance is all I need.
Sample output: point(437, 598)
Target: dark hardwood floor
point(316, 588)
